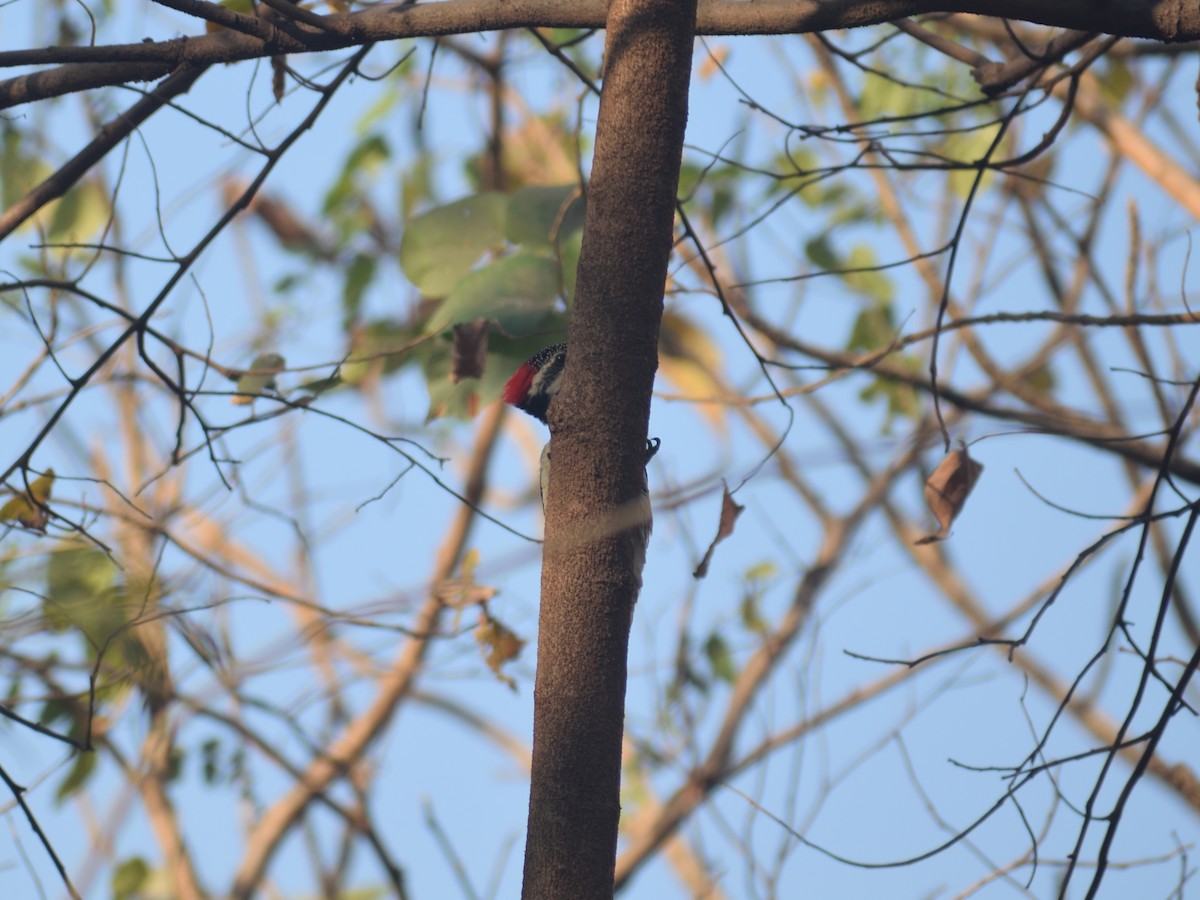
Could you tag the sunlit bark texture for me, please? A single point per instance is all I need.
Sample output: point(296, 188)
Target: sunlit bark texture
point(589, 583)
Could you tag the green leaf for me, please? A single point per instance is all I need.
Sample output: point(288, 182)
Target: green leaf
point(568, 258)
point(416, 185)
point(540, 216)
point(288, 283)
point(57, 710)
point(821, 254)
point(81, 591)
point(367, 156)
point(716, 650)
point(128, 878)
point(795, 168)
point(751, 614)
point(175, 763)
point(887, 97)
point(81, 770)
point(873, 328)
point(517, 292)
point(75, 216)
point(876, 284)
point(721, 202)
point(441, 246)
point(80, 215)
point(359, 275)
point(969, 148)
point(689, 179)
point(902, 399)
point(19, 171)
point(378, 347)
point(380, 112)
point(210, 761)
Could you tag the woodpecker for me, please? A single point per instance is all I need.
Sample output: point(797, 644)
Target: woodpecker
point(532, 388)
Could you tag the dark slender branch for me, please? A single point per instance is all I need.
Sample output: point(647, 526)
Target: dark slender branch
point(185, 262)
point(18, 793)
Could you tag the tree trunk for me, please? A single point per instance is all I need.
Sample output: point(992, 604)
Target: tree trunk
point(599, 425)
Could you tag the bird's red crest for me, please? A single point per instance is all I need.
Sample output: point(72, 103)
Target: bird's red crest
point(518, 385)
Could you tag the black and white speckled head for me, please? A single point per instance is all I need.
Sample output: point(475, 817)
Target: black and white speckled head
point(536, 381)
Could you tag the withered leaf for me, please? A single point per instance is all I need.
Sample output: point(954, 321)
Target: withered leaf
point(501, 643)
point(278, 76)
point(469, 352)
point(29, 508)
point(947, 489)
point(729, 516)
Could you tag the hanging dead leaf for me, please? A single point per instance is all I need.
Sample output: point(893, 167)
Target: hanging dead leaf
point(469, 352)
point(278, 76)
point(947, 489)
point(729, 516)
point(502, 645)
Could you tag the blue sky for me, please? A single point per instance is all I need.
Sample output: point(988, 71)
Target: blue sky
point(848, 788)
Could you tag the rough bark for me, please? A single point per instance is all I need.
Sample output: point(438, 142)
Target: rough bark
point(82, 68)
point(599, 423)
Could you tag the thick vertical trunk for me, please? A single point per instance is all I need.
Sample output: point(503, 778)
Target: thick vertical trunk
point(599, 424)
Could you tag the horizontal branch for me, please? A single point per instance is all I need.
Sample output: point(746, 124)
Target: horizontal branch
point(1060, 421)
point(80, 68)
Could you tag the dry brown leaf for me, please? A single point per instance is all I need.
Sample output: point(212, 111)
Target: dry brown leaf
point(947, 489)
point(278, 76)
point(469, 352)
point(502, 645)
point(729, 516)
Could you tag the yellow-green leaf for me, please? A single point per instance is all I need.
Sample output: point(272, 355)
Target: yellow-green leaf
point(29, 508)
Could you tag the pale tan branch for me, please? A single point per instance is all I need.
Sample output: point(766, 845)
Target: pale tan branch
point(395, 685)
